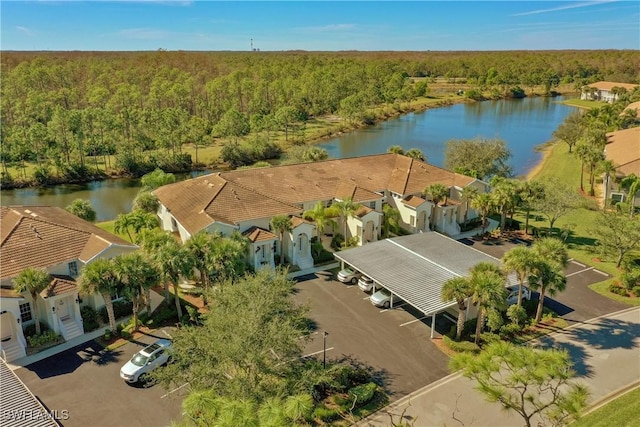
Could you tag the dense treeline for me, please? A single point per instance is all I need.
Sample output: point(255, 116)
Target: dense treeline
point(69, 112)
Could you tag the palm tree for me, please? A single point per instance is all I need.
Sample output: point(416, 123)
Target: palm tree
point(346, 208)
point(546, 277)
point(151, 242)
point(200, 246)
point(529, 192)
point(281, 224)
point(519, 260)
point(438, 192)
point(99, 277)
point(320, 216)
point(122, 224)
point(416, 154)
point(459, 289)
point(551, 250)
point(174, 261)
point(632, 184)
point(33, 281)
point(391, 219)
point(483, 203)
point(395, 149)
point(466, 195)
point(137, 275)
point(488, 291)
point(504, 194)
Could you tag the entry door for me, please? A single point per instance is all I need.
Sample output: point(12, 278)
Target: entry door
point(62, 309)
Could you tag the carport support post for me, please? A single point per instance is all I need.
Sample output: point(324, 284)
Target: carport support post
point(433, 324)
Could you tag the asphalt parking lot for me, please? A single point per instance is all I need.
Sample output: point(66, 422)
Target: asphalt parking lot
point(395, 343)
point(86, 383)
point(577, 302)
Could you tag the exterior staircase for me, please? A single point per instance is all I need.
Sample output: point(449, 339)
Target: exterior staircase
point(70, 329)
point(12, 350)
point(305, 262)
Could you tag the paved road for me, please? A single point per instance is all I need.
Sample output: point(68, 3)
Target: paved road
point(606, 356)
point(85, 382)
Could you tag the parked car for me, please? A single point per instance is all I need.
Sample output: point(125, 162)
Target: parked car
point(382, 298)
point(349, 275)
point(512, 297)
point(365, 283)
point(145, 361)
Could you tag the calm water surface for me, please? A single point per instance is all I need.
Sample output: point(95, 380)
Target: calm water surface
point(524, 124)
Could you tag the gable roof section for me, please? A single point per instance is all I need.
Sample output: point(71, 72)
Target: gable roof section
point(610, 85)
point(242, 195)
point(44, 236)
point(623, 149)
point(413, 201)
point(257, 234)
point(635, 106)
point(59, 285)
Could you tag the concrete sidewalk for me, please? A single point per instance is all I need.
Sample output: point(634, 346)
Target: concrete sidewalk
point(606, 354)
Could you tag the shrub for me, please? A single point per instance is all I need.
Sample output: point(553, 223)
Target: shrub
point(489, 337)
point(337, 241)
point(636, 291)
point(42, 175)
point(517, 314)
point(326, 414)
point(510, 330)
point(363, 393)
point(31, 329)
point(47, 337)
point(461, 346)
point(630, 278)
point(90, 318)
point(120, 309)
point(617, 289)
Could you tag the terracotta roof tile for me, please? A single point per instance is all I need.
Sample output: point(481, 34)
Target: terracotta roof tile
point(39, 236)
point(413, 201)
point(242, 195)
point(257, 234)
point(623, 149)
point(59, 285)
point(296, 221)
point(362, 211)
point(633, 106)
point(9, 293)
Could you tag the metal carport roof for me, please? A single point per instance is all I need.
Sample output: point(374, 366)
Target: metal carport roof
point(415, 267)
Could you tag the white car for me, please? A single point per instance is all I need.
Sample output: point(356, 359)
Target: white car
point(365, 283)
point(349, 275)
point(512, 297)
point(145, 361)
point(382, 298)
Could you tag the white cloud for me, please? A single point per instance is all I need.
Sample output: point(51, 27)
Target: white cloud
point(564, 7)
point(25, 30)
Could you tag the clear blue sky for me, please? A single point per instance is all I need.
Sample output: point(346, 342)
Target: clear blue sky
point(316, 25)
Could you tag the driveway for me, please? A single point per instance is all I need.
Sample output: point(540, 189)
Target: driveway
point(86, 382)
point(394, 343)
point(577, 302)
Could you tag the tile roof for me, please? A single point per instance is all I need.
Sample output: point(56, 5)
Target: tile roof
point(257, 234)
point(17, 399)
point(611, 85)
point(44, 236)
point(241, 195)
point(9, 293)
point(633, 106)
point(296, 221)
point(623, 149)
point(362, 211)
point(59, 285)
point(413, 201)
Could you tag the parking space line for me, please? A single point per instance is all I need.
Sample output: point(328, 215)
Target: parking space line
point(174, 390)
point(601, 272)
point(578, 272)
point(315, 352)
point(307, 335)
point(413, 321)
point(395, 306)
point(366, 298)
point(578, 263)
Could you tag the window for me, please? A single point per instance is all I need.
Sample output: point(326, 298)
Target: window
point(413, 220)
point(73, 269)
point(372, 205)
point(25, 312)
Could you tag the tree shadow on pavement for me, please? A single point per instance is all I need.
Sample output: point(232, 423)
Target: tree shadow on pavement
point(70, 360)
point(608, 334)
point(577, 353)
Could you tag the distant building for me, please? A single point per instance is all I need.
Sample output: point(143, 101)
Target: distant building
point(605, 91)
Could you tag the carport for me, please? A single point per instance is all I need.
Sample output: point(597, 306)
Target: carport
point(415, 267)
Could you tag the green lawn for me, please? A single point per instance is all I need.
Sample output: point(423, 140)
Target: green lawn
point(622, 412)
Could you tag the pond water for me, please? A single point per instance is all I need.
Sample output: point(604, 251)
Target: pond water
point(523, 123)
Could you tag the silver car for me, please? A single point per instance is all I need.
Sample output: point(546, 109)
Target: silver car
point(366, 283)
point(512, 297)
point(145, 361)
point(382, 298)
point(348, 275)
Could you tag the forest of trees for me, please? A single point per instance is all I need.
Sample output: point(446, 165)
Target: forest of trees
point(74, 115)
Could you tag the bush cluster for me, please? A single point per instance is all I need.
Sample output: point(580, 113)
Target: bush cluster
point(120, 309)
point(90, 319)
point(31, 329)
point(461, 346)
point(46, 337)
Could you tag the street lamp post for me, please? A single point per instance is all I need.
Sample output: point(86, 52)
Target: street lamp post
point(324, 349)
